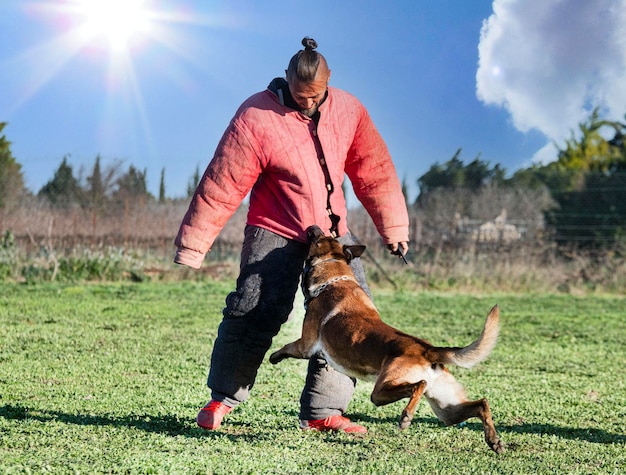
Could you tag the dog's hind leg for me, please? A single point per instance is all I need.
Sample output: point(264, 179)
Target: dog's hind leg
point(448, 400)
point(480, 408)
point(409, 410)
point(387, 392)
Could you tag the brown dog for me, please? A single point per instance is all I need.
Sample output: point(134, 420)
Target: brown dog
point(342, 322)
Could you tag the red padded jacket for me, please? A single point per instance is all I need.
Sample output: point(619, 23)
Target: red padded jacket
point(269, 151)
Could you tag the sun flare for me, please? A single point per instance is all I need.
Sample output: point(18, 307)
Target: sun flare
point(108, 41)
point(115, 20)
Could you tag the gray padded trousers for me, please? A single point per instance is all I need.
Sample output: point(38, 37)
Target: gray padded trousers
point(269, 275)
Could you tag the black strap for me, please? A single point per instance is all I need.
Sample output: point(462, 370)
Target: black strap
point(334, 219)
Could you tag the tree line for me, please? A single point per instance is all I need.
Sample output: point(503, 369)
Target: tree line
point(581, 196)
point(102, 188)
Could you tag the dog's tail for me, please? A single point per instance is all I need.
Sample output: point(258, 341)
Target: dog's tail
point(475, 352)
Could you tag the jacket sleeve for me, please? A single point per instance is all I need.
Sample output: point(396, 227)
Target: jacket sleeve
point(375, 182)
point(228, 178)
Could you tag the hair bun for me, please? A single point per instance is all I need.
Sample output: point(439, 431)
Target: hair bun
point(309, 43)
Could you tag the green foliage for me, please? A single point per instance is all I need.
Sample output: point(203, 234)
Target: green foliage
point(594, 214)
point(132, 188)
point(588, 181)
point(84, 265)
point(8, 256)
point(11, 179)
point(456, 199)
point(162, 187)
point(193, 183)
point(110, 264)
point(591, 151)
point(96, 188)
point(64, 190)
point(455, 175)
point(108, 379)
point(105, 191)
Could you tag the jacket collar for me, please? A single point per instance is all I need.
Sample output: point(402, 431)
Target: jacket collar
point(280, 87)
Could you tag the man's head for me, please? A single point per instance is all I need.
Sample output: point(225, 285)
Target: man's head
point(308, 76)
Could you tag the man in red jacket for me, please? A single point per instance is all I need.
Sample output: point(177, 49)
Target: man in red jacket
point(289, 147)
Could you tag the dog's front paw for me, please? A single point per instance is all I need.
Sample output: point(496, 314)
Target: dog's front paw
point(405, 420)
point(276, 357)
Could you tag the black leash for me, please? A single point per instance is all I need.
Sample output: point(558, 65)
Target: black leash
point(334, 219)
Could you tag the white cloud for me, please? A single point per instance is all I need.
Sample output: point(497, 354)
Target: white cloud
point(550, 62)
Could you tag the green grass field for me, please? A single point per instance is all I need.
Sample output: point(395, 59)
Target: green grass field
point(108, 378)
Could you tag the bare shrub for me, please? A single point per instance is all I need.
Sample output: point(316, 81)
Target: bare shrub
point(137, 242)
point(458, 215)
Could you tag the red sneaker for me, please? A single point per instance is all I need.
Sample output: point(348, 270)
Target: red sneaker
point(210, 416)
point(335, 423)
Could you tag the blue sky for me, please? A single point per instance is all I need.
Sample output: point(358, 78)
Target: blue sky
point(505, 79)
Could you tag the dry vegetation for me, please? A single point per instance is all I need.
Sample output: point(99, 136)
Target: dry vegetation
point(449, 252)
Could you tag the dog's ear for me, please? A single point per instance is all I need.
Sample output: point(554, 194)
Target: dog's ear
point(356, 250)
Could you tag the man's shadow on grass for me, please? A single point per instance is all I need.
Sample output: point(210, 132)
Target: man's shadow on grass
point(175, 426)
point(167, 425)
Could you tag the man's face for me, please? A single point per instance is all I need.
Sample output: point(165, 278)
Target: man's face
point(309, 95)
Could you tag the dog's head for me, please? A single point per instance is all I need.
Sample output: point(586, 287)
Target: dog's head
point(325, 247)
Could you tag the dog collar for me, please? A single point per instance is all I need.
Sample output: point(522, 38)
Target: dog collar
point(316, 290)
point(308, 265)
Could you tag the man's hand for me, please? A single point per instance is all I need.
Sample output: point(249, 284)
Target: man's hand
point(399, 249)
